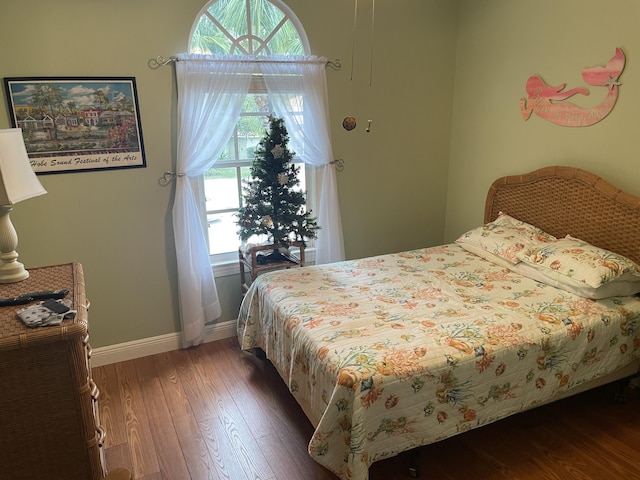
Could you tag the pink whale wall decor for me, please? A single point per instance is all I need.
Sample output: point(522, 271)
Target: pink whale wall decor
point(550, 102)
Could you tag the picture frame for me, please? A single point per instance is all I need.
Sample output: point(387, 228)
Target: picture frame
point(77, 124)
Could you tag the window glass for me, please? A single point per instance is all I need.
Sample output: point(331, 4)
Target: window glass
point(241, 27)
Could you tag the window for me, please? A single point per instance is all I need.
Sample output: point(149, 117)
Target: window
point(242, 27)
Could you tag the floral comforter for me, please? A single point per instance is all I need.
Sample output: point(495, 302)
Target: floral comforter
point(402, 350)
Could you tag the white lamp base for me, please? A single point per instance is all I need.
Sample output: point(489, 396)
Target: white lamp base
point(11, 270)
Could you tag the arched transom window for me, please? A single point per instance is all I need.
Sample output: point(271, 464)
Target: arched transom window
point(248, 27)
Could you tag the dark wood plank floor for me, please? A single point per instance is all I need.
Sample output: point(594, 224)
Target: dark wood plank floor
point(214, 412)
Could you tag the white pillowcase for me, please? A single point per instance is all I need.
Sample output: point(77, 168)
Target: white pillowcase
point(617, 288)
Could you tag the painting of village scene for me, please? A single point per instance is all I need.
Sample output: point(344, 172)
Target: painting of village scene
point(77, 124)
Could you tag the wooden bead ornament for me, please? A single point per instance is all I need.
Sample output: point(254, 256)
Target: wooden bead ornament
point(349, 123)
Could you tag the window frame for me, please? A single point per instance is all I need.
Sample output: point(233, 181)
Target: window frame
point(288, 13)
point(250, 44)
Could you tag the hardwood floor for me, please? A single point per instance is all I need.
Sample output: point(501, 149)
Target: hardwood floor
point(214, 412)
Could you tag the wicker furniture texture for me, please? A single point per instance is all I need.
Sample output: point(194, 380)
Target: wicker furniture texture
point(49, 426)
point(566, 200)
point(248, 260)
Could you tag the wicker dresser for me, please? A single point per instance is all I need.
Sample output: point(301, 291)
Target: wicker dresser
point(49, 425)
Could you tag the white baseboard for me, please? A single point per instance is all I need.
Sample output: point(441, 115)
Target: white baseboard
point(152, 345)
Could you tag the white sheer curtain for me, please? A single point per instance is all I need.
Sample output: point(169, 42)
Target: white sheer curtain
point(210, 96)
point(297, 87)
point(211, 91)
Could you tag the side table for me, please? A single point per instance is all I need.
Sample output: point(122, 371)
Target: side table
point(248, 261)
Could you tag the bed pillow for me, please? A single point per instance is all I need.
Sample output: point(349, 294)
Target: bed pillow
point(571, 261)
point(502, 240)
point(616, 288)
point(481, 252)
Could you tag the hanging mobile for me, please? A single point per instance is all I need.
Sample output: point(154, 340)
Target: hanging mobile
point(373, 19)
point(349, 122)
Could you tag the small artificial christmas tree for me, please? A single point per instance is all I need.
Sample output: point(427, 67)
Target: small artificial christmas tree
point(273, 205)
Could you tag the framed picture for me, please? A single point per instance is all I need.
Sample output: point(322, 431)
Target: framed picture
point(77, 124)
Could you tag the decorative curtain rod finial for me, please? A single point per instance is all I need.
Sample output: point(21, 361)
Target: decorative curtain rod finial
point(335, 64)
point(160, 61)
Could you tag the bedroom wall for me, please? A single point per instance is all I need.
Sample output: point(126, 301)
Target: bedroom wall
point(503, 42)
point(117, 223)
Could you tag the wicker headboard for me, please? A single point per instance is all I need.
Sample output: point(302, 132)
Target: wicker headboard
point(567, 200)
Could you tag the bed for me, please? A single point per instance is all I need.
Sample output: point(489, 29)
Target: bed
point(388, 353)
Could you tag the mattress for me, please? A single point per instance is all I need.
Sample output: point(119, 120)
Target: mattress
point(397, 351)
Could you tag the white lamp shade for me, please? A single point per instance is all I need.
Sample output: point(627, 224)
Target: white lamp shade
point(18, 181)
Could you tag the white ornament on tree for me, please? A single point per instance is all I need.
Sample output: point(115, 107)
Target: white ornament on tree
point(277, 151)
point(283, 178)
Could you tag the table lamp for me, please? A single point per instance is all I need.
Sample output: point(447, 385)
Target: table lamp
point(17, 182)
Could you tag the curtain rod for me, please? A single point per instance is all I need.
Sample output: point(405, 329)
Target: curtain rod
point(161, 61)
